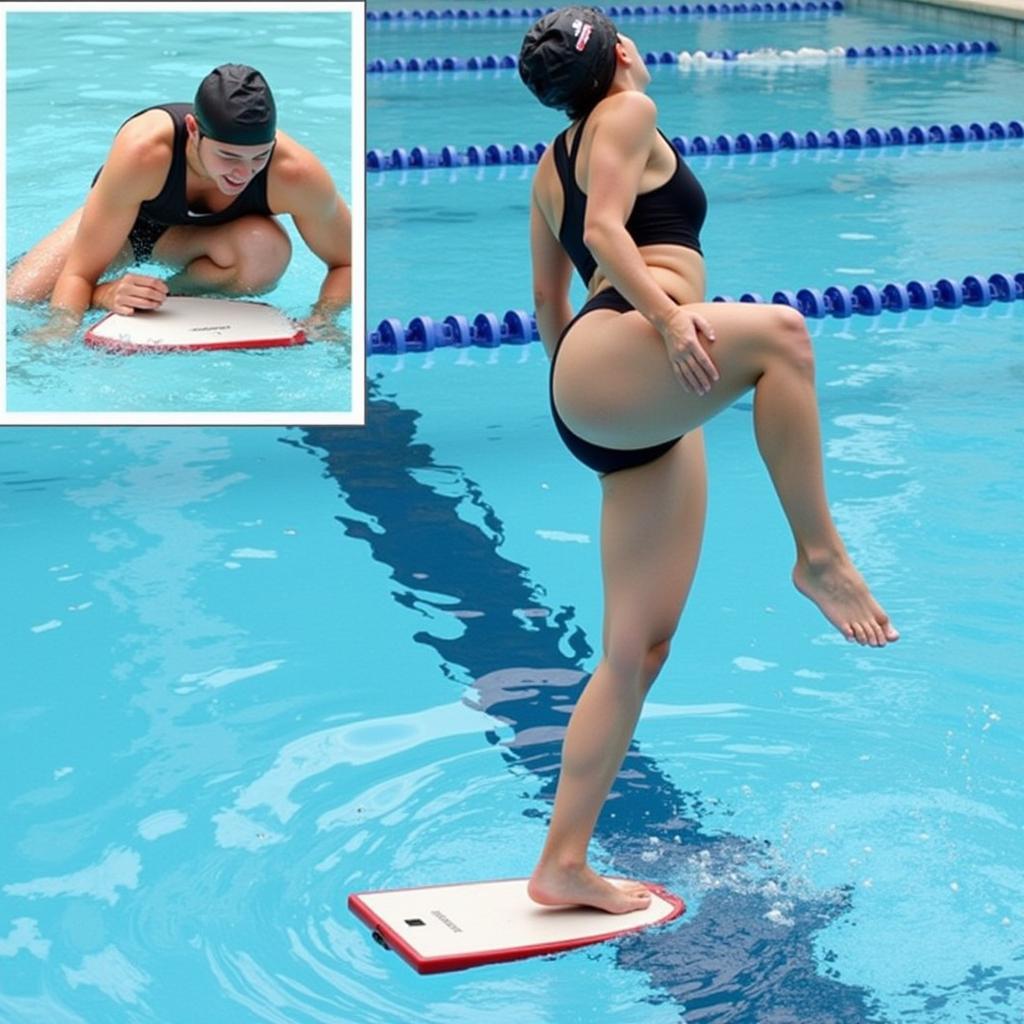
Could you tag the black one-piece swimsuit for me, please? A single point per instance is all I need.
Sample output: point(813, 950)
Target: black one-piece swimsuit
point(170, 207)
point(671, 214)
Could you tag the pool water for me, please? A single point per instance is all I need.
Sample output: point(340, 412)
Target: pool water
point(314, 661)
point(871, 215)
point(47, 127)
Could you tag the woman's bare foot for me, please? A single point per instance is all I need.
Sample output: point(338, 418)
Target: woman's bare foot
point(836, 587)
point(579, 886)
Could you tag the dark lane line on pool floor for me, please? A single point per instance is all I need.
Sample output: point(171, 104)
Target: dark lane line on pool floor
point(748, 951)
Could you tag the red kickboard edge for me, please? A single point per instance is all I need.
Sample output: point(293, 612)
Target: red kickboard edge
point(463, 961)
point(128, 348)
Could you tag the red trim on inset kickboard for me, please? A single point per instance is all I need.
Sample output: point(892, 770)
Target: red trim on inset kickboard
point(130, 348)
point(463, 961)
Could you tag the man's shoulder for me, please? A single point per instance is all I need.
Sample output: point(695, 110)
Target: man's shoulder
point(145, 143)
point(296, 174)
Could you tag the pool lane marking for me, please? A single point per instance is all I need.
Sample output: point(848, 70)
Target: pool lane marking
point(856, 138)
point(811, 56)
point(743, 929)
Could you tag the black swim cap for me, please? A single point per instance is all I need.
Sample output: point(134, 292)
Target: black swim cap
point(233, 104)
point(568, 59)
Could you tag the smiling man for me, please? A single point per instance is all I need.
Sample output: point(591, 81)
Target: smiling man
point(195, 187)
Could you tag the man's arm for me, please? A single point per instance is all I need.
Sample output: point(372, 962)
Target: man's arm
point(134, 170)
point(304, 189)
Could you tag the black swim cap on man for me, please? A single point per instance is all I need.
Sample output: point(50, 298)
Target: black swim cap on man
point(568, 59)
point(233, 104)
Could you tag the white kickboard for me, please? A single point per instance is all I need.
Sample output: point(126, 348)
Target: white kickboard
point(452, 927)
point(191, 324)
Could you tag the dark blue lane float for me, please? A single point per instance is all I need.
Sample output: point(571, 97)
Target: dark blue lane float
point(457, 14)
point(493, 61)
point(873, 137)
point(518, 327)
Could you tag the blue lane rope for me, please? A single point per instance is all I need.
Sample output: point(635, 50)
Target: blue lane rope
point(623, 11)
point(518, 327)
point(887, 50)
point(704, 145)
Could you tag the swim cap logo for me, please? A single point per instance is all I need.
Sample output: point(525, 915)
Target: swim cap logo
point(582, 31)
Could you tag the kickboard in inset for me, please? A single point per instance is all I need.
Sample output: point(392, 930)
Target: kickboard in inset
point(184, 324)
point(452, 927)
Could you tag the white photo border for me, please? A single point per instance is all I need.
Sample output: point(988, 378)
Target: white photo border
point(356, 414)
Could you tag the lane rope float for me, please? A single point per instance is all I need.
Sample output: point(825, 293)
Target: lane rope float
point(700, 10)
point(518, 327)
point(686, 59)
point(401, 158)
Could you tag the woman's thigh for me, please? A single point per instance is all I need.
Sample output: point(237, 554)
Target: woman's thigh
point(614, 384)
point(652, 523)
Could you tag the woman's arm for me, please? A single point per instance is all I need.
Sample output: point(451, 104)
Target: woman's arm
point(620, 147)
point(552, 272)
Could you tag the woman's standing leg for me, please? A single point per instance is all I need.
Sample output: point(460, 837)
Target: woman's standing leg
point(652, 523)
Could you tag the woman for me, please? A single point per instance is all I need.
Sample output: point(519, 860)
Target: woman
point(633, 377)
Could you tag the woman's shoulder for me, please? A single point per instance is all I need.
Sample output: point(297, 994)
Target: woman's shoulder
point(630, 106)
point(546, 171)
point(626, 121)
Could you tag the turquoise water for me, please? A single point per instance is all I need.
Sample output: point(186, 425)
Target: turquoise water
point(311, 662)
point(876, 215)
point(308, 662)
point(66, 125)
point(775, 221)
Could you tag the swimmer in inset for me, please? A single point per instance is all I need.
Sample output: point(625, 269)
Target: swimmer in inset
point(633, 377)
point(196, 187)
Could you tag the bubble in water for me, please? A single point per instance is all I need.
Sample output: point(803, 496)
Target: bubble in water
point(776, 916)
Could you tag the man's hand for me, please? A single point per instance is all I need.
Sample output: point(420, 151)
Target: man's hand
point(60, 326)
point(129, 293)
point(322, 326)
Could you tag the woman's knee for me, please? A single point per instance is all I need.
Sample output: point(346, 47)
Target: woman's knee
point(657, 655)
point(790, 338)
point(637, 657)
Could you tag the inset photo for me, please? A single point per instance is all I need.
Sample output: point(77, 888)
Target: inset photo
point(184, 196)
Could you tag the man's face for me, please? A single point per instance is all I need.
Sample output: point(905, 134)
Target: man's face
point(232, 166)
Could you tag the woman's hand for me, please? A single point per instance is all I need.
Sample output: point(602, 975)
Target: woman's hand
point(129, 293)
point(686, 338)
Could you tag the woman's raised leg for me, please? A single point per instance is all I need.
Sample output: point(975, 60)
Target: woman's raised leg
point(652, 523)
point(615, 387)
